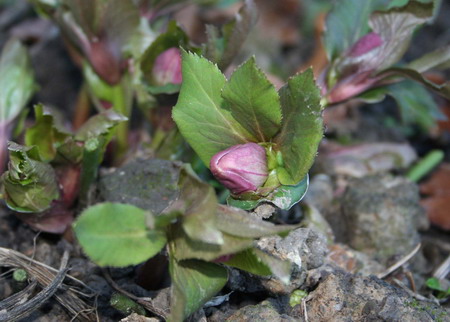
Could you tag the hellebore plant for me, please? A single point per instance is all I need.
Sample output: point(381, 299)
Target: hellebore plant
point(259, 143)
point(200, 236)
point(56, 167)
point(362, 61)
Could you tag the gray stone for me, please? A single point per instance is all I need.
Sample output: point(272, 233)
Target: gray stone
point(262, 312)
point(346, 297)
point(382, 215)
point(148, 184)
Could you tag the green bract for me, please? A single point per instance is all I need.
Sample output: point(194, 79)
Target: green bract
point(214, 114)
point(29, 185)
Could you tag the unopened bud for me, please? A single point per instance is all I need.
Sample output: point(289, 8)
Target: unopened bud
point(365, 44)
point(167, 67)
point(241, 168)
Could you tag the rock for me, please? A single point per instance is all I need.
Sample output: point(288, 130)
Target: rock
point(365, 159)
point(305, 248)
point(320, 192)
point(134, 317)
point(353, 261)
point(262, 312)
point(382, 215)
point(347, 297)
point(148, 184)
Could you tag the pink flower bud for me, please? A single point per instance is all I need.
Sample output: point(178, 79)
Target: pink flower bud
point(365, 44)
point(167, 67)
point(241, 168)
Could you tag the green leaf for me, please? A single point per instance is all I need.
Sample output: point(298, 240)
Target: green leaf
point(240, 223)
point(440, 58)
point(17, 83)
point(254, 101)
point(48, 132)
point(302, 126)
point(99, 125)
point(442, 89)
point(114, 234)
point(194, 282)
point(416, 104)
point(374, 95)
point(396, 27)
point(281, 269)
point(284, 197)
point(224, 44)
point(434, 284)
point(187, 248)
point(249, 262)
point(29, 185)
point(346, 23)
point(202, 115)
point(198, 202)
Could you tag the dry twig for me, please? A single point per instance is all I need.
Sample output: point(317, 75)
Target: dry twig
point(46, 276)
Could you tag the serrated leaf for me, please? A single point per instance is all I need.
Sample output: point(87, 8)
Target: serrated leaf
point(302, 126)
point(194, 282)
point(201, 114)
point(29, 185)
point(240, 223)
point(284, 197)
point(346, 23)
point(108, 231)
point(415, 103)
point(187, 248)
point(48, 132)
point(16, 80)
point(254, 101)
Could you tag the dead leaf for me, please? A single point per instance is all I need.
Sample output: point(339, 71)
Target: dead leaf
point(437, 200)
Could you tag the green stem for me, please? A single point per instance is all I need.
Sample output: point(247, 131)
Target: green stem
point(121, 103)
point(425, 165)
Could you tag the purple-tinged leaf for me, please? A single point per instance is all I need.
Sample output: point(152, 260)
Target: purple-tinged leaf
point(346, 23)
point(396, 27)
point(223, 44)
